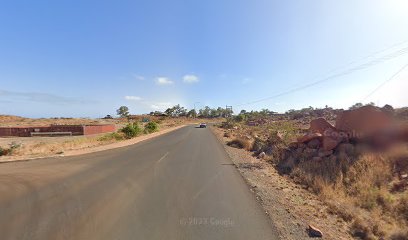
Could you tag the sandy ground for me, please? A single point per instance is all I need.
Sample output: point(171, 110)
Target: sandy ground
point(289, 206)
point(82, 150)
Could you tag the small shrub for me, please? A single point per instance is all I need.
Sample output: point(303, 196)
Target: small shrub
point(361, 230)
point(258, 145)
point(12, 147)
point(402, 208)
point(399, 235)
point(9, 151)
point(368, 198)
point(3, 151)
point(287, 131)
point(240, 118)
point(240, 143)
point(227, 124)
point(341, 210)
point(131, 130)
point(111, 136)
point(151, 127)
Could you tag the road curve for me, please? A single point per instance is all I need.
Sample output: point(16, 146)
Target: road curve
point(181, 185)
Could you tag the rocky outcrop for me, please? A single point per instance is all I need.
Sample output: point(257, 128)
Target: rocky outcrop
point(403, 136)
point(363, 122)
point(309, 137)
point(324, 142)
point(320, 125)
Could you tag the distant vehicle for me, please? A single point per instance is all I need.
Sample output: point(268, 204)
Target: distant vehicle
point(108, 117)
point(203, 125)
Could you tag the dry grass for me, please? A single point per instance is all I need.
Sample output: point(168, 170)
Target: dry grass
point(227, 135)
point(360, 191)
point(399, 235)
point(43, 148)
point(10, 121)
point(240, 143)
point(365, 189)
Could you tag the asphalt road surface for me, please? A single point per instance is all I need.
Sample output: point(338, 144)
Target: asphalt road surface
point(180, 185)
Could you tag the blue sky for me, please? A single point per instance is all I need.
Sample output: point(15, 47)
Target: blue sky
point(87, 58)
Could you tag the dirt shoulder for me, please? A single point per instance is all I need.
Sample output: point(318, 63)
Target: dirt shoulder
point(291, 208)
point(76, 146)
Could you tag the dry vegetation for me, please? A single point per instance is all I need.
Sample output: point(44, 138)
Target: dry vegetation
point(363, 190)
point(22, 147)
point(367, 190)
point(12, 121)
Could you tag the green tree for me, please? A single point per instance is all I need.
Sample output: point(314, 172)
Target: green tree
point(264, 112)
point(123, 111)
point(176, 111)
point(355, 106)
point(205, 112)
point(169, 112)
point(192, 113)
point(240, 118)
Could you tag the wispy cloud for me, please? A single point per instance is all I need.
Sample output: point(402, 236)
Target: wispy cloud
point(138, 77)
point(246, 80)
point(190, 79)
point(39, 97)
point(161, 105)
point(164, 81)
point(133, 98)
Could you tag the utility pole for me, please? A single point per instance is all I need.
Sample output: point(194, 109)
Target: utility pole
point(195, 115)
point(228, 111)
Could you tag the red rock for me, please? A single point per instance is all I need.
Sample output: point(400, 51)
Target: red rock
point(330, 143)
point(322, 153)
point(309, 153)
point(317, 159)
point(404, 134)
point(363, 122)
point(314, 144)
point(309, 137)
point(346, 148)
point(320, 125)
point(331, 139)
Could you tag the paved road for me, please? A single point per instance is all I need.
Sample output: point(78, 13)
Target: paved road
point(180, 185)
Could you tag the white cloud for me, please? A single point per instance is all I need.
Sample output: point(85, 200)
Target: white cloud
point(190, 79)
point(161, 105)
point(163, 81)
point(246, 80)
point(138, 77)
point(133, 98)
point(6, 95)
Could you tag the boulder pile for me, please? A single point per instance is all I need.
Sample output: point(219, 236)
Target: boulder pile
point(367, 126)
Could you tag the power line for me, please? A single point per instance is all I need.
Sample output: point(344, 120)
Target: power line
point(368, 56)
point(387, 81)
point(363, 66)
